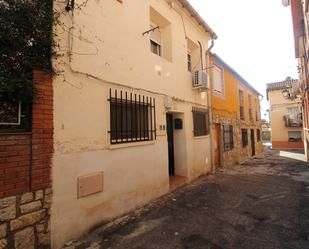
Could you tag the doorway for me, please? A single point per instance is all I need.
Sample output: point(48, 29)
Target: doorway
point(216, 129)
point(252, 142)
point(170, 143)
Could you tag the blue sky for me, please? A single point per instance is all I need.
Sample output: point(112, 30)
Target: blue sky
point(255, 38)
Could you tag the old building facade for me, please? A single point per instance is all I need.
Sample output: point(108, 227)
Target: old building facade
point(300, 21)
point(235, 115)
point(126, 116)
point(285, 115)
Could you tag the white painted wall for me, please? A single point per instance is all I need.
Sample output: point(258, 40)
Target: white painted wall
point(103, 47)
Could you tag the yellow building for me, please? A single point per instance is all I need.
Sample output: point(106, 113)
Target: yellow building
point(130, 108)
point(285, 115)
point(235, 115)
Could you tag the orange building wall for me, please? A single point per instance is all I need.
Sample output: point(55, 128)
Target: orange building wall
point(227, 106)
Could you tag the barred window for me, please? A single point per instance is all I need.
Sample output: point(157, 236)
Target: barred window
point(241, 104)
point(132, 118)
point(228, 137)
point(244, 137)
point(258, 135)
point(200, 122)
point(250, 107)
point(14, 116)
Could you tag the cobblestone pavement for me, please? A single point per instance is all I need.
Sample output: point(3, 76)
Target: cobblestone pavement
point(261, 204)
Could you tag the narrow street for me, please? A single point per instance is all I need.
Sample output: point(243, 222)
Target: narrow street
point(261, 204)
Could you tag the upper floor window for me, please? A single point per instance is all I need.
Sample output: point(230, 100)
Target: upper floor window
point(218, 84)
point(132, 117)
point(241, 104)
point(250, 107)
point(160, 35)
point(257, 110)
point(189, 61)
point(293, 112)
point(192, 56)
point(155, 39)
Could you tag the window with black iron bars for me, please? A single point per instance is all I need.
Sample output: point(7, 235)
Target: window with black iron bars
point(200, 121)
point(244, 136)
point(132, 117)
point(228, 137)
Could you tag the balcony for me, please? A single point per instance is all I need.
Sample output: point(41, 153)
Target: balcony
point(293, 122)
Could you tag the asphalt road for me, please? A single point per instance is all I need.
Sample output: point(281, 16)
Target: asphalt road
point(261, 204)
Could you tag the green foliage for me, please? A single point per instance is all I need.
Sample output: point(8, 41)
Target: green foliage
point(25, 44)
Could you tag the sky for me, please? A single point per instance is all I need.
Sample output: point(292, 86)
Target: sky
point(255, 37)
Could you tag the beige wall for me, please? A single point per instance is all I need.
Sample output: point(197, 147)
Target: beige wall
point(278, 108)
point(107, 50)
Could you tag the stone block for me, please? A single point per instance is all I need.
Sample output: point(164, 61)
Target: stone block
point(39, 195)
point(47, 201)
point(8, 213)
point(24, 239)
point(27, 220)
point(7, 202)
point(3, 230)
point(40, 228)
point(27, 197)
point(44, 239)
point(3, 243)
point(31, 206)
point(48, 191)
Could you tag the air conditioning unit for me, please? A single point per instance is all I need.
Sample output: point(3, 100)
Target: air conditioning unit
point(200, 79)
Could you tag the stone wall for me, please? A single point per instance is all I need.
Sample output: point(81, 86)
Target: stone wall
point(25, 175)
point(239, 153)
point(25, 220)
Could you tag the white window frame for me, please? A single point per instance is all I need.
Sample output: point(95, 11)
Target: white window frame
point(218, 80)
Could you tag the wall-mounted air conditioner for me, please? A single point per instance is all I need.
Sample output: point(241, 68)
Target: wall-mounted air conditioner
point(200, 79)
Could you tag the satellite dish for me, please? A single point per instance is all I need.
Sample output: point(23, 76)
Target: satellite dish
point(285, 3)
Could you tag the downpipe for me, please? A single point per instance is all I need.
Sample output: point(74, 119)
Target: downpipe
point(212, 149)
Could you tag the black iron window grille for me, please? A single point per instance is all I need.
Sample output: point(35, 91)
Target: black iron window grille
point(241, 104)
point(15, 116)
point(228, 137)
point(258, 135)
point(244, 137)
point(132, 117)
point(200, 121)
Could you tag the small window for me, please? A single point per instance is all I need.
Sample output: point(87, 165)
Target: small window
point(294, 136)
point(189, 59)
point(228, 137)
point(155, 39)
point(15, 116)
point(244, 136)
point(241, 104)
point(293, 112)
point(257, 110)
point(218, 80)
point(132, 118)
point(250, 107)
point(258, 135)
point(200, 122)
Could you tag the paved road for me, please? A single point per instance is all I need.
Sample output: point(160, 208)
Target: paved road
point(261, 204)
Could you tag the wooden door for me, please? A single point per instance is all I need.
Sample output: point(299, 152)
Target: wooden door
point(216, 131)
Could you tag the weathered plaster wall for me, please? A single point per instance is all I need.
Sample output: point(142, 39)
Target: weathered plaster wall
point(107, 51)
point(279, 132)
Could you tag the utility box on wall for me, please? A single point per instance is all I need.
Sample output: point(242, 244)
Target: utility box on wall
point(178, 124)
point(89, 184)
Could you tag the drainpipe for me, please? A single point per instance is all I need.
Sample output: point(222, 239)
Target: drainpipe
point(212, 149)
